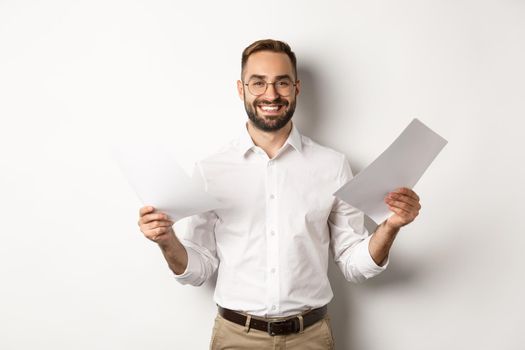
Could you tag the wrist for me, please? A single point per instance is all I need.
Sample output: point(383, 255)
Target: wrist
point(167, 241)
point(390, 229)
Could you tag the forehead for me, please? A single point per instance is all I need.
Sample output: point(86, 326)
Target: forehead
point(269, 64)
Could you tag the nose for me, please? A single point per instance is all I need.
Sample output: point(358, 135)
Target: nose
point(270, 91)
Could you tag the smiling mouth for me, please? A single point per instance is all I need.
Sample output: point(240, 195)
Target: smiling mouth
point(270, 108)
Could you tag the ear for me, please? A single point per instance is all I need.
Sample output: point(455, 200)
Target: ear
point(297, 87)
point(240, 89)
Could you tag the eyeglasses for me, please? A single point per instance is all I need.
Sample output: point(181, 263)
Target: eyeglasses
point(283, 87)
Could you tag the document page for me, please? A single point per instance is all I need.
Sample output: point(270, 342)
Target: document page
point(159, 181)
point(401, 165)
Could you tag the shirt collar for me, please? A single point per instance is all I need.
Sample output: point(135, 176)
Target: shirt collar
point(246, 142)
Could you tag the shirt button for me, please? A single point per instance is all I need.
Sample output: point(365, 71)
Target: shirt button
point(273, 307)
point(272, 233)
point(272, 196)
point(272, 270)
point(270, 163)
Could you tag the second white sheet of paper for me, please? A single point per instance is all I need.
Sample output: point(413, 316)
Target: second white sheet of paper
point(158, 180)
point(401, 165)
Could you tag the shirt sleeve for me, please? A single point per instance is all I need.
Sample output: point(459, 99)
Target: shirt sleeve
point(349, 237)
point(199, 241)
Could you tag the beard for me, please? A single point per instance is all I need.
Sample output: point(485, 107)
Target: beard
point(270, 123)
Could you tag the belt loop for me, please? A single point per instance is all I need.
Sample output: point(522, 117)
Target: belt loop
point(247, 324)
point(301, 324)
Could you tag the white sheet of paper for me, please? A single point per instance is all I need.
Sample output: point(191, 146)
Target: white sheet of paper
point(401, 165)
point(161, 182)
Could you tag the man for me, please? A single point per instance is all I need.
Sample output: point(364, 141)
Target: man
point(271, 241)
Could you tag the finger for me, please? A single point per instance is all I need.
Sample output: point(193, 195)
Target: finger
point(404, 198)
point(156, 233)
point(145, 210)
point(399, 211)
point(154, 224)
point(151, 217)
point(404, 203)
point(407, 192)
point(409, 216)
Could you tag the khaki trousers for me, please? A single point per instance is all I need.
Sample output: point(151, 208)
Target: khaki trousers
point(227, 335)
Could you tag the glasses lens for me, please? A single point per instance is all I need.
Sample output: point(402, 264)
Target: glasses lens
point(283, 87)
point(257, 87)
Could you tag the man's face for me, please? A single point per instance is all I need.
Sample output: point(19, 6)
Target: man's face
point(269, 111)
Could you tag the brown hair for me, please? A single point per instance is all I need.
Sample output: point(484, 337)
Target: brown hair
point(268, 45)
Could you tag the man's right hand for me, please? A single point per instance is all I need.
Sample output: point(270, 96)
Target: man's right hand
point(156, 226)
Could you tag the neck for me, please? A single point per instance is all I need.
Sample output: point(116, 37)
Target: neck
point(269, 141)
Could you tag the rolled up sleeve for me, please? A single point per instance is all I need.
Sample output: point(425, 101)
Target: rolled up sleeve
point(349, 239)
point(199, 241)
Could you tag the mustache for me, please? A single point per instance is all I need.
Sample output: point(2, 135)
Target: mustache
point(277, 101)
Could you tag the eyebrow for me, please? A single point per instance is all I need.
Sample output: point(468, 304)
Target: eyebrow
point(258, 76)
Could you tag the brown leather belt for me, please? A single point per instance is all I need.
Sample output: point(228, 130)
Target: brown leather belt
point(288, 325)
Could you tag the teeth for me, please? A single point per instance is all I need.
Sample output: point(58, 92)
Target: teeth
point(269, 108)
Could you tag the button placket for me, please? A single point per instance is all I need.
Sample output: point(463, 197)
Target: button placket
point(272, 242)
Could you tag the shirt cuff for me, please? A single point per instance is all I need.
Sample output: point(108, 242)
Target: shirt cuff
point(364, 262)
point(192, 269)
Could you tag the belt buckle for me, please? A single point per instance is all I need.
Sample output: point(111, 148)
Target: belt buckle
point(295, 322)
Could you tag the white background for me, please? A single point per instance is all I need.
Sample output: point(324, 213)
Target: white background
point(75, 271)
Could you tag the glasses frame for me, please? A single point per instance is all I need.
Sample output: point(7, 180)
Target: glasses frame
point(294, 83)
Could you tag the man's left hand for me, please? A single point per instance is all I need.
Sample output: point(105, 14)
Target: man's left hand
point(405, 204)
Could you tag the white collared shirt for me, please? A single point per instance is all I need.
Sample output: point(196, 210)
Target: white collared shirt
point(271, 241)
